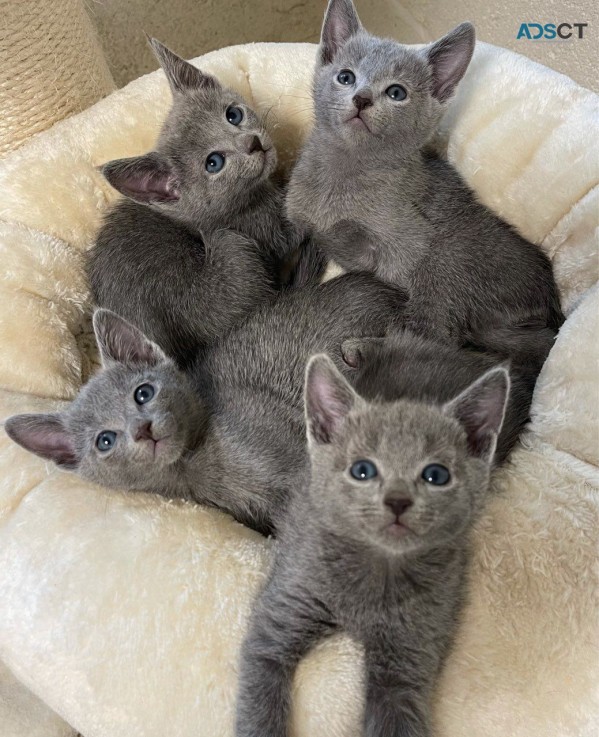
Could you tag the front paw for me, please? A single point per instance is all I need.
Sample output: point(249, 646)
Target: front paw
point(350, 244)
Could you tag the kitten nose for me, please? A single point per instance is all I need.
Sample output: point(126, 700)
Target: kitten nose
point(144, 432)
point(253, 143)
point(362, 100)
point(398, 505)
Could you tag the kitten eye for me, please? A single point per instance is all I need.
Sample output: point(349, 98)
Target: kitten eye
point(396, 92)
point(436, 474)
point(364, 470)
point(214, 162)
point(346, 76)
point(234, 115)
point(143, 393)
point(105, 440)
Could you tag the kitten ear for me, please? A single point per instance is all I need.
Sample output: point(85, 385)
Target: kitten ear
point(46, 436)
point(480, 410)
point(121, 342)
point(145, 179)
point(354, 351)
point(341, 22)
point(449, 58)
point(181, 75)
point(328, 399)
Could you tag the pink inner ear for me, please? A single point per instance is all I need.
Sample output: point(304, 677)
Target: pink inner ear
point(479, 431)
point(60, 448)
point(341, 23)
point(151, 186)
point(449, 58)
point(122, 342)
point(144, 179)
point(480, 410)
point(45, 436)
point(447, 75)
point(329, 399)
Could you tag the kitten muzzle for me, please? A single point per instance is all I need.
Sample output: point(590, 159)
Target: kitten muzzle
point(357, 121)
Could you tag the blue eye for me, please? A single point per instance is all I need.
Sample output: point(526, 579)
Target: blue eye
point(143, 393)
point(436, 474)
point(214, 162)
point(363, 470)
point(346, 76)
point(396, 92)
point(106, 440)
point(234, 115)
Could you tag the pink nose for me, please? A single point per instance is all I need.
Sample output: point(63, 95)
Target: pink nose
point(144, 432)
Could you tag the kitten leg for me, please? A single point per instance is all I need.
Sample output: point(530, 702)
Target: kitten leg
point(396, 697)
point(285, 624)
point(308, 266)
point(384, 718)
point(349, 245)
point(431, 311)
point(233, 275)
point(526, 344)
point(231, 283)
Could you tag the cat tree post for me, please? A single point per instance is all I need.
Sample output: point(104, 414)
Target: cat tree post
point(51, 66)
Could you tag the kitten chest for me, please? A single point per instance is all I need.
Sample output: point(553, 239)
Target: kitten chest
point(361, 220)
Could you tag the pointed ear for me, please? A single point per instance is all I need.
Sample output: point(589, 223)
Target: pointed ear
point(121, 342)
point(480, 410)
point(355, 350)
point(328, 399)
point(181, 75)
point(341, 22)
point(44, 435)
point(145, 179)
point(449, 58)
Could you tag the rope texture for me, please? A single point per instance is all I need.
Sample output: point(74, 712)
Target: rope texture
point(51, 66)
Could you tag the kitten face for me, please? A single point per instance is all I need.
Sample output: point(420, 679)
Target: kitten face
point(128, 424)
point(379, 465)
point(353, 93)
point(215, 160)
point(120, 442)
point(212, 154)
point(370, 90)
point(400, 476)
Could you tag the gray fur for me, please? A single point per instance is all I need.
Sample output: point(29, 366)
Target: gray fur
point(347, 560)
point(409, 366)
point(231, 429)
point(376, 199)
point(162, 259)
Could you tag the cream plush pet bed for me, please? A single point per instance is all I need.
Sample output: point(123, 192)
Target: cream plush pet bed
point(121, 615)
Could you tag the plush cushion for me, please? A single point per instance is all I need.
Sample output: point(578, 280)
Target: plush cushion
point(123, 614)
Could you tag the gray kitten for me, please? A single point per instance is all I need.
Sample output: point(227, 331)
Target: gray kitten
point(229, 433)
point(377, 200)
point(376, 546)
point(201, 239)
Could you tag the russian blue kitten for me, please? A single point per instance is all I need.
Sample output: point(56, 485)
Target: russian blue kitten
point(376, 545)
point(376, 199)
point(201, 239)
point(229, 433)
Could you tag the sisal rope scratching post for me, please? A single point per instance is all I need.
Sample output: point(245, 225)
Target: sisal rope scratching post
point(51, 66)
